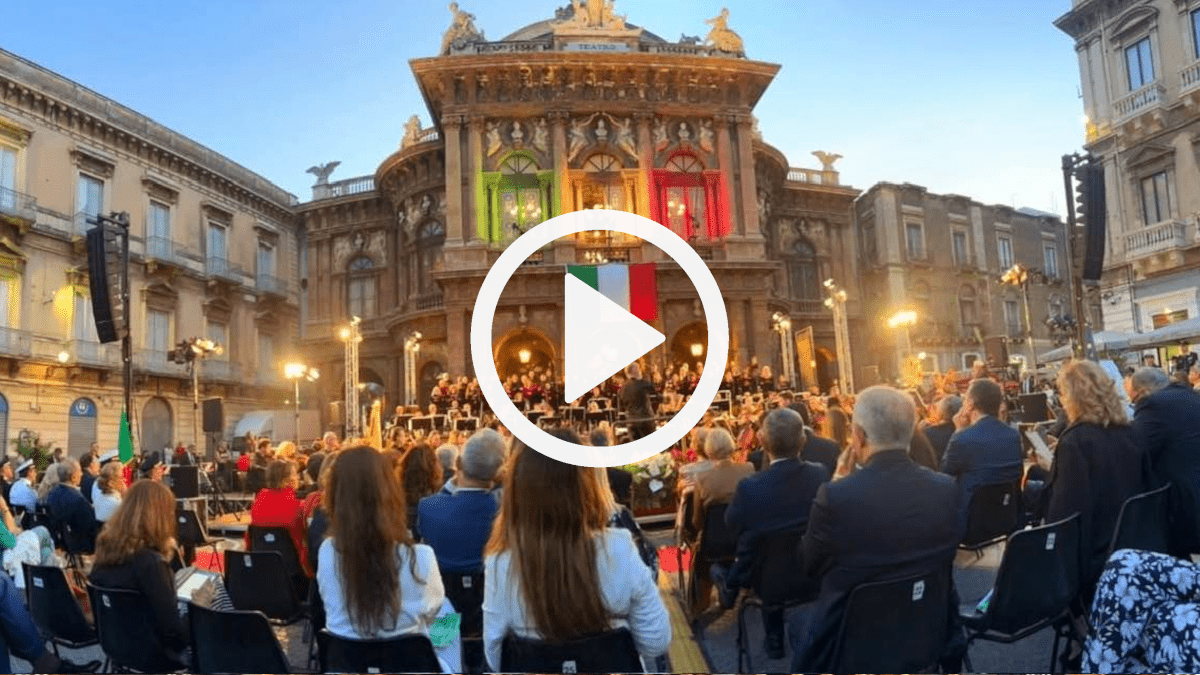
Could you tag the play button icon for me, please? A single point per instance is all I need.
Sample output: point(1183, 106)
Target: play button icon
point(601, 338)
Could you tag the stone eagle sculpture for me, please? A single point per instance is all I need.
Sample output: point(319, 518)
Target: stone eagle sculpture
point(828, 159)
point(322, 171)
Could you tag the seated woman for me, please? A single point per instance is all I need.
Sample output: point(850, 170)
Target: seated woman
point(375, 582)
point(33, 546)
point(132, 553)
point(1143, 619)
point(276, 506)
point(700, 463)
point(111, 490)
point(712, 488)
point(567, 575)
point(421, 476)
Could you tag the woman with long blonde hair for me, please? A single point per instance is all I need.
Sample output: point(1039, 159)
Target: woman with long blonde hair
point(1099, 462)
point(555, 570)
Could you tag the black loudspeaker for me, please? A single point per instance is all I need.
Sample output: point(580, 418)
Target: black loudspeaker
point(104, 281)
point(214, 416)
point(1034, 408)
point(1095, 218)
point(996, 349)
point(185, 481)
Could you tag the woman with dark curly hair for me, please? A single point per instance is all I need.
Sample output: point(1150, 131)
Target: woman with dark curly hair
point(421, 476)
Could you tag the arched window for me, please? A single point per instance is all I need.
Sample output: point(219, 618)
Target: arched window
point(687, 198)
point(602, 186)
point(427, 256)
point(518, 199)
point(81, 427)
point(966, 307)
point(802, 271)
point(361, 285)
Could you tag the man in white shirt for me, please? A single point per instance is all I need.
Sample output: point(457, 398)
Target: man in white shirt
point(23, 493)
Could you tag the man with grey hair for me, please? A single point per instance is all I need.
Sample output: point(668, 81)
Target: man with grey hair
point(447, 455)
point(778, 498)
point(68, 508)
point(888, 519)
point(939, 434)
point(1167, 415)
point(457, 525)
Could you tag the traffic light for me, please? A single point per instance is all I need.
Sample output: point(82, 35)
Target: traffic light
point(1092, 214)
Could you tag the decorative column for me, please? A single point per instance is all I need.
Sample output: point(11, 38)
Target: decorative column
point(474, 215)
point(728, 171)
point(452, 126)
point(646, 201)
point(749, 180)
point(562, 181)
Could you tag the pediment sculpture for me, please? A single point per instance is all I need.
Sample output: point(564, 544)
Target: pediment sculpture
point(462, 31)
point(722, 37)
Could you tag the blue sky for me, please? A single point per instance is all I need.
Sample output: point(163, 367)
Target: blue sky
point(974, 97)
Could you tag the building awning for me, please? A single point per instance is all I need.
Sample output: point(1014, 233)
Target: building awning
point(1172, 333)
point(1105, 341)
point(260, 422)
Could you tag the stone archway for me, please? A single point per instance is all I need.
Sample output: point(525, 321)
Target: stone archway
point(430, 372)
point(158, 425)
point(690, 344)
point(523, 351)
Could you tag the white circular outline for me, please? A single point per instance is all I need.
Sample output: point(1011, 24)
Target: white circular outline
point(511, 260)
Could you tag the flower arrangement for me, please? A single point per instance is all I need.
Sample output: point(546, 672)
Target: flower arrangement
point(654, 481)
point(29, 445)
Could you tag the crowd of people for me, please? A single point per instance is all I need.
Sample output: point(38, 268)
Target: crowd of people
point(870, 486)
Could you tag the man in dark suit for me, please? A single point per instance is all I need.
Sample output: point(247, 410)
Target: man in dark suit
point(457, 524)
point(939, 434)
point(823, 451)
point(777, 498)
point(984, 450)
point(888, 519)
point(1167, 414)
point(634, 399)
point(69, 508)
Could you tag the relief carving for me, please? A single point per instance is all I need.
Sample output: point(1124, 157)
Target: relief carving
point(541, 135)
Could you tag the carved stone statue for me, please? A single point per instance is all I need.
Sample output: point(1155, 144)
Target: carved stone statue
point(764, 206)
point(322, 171)
point(828, 159)
point(721, 37)
point(625, 139)
point(685, 134)
point(689, 39)
point(594, 14)
point(412, 132)
point(461, 32)
point(518, 134)
point(661, 140)
point(493, 138)
point(706, 136)
point(578, 138)
point(601, 131)
point(541, 135)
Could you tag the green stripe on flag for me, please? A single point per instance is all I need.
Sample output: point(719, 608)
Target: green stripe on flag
point(585, 273)
point(125, 443)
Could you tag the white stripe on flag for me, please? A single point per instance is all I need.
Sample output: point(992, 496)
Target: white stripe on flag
point(614, 283)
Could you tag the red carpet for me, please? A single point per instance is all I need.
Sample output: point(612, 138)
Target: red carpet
point(667, 560)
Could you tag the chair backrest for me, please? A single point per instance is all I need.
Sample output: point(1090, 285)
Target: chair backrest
point(1142, 523)
point(465, 592)
point(233, 642)
point(279, 539)
point(189, 530)
point(1038, 576)
point(717, 541)
point(611, 652)
point(995, 512)
point(777, 559)
point(897, 625)
point(126, 627)
point(53, 605)
point(258, 581)
point(256, 479)
point(405, 654)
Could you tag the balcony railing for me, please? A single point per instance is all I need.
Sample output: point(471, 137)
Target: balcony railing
point(1166, 236)
point(343, 188)
point(1140, 101)
point(1189, 78)
point(18, 205)
point(14, 342)
point(158, 363)
point(429, 301)
point(799, 175)
point(271, 285)
point(216, 266)
point(812, 306)
point(218, 371)
point(964, 261)
point(82, 224)
point(161, 249)
point(88, 353)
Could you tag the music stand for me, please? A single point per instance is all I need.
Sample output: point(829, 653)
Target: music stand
point(534, 416)
point(441, 422)
point(466, 424)
point(424, 423)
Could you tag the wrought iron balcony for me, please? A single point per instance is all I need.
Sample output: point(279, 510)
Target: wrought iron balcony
point(1161, 237)
point(812, 307)
point(271, 285)
point(1140, 101)
point(162, 249)
point(218, 267)
point(18, 205)
point(14, 343)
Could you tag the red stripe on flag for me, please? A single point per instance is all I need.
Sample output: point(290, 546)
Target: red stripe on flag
point(643, 291)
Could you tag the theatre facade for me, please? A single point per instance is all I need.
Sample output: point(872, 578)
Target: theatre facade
point(580, 111)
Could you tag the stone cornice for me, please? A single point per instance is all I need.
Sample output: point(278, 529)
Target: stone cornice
point(78, 111)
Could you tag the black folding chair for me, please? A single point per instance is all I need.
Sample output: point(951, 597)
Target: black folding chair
point(256, 479)
point(191, 533)
point(716, 544)
point(995, 513)
point(404, 654)
point(1142, 523)
point(1035, 586)
point(233, 642)
point(125, 625)
point(55, 610)
point(279, 539)
point(258, 581)
point(611, 652)
point(465, 592)
point(777, 585)
point(684, 533)
point(896, 625)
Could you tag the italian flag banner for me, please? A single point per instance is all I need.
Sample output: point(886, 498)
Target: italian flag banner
point(633, 287)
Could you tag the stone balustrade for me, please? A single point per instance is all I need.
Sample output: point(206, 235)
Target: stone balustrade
point(1168, 235)
point(1139, 101)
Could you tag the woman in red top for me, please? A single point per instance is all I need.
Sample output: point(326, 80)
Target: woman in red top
point(277, 506)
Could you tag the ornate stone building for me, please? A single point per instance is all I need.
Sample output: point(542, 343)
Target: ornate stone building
point(580, 111)
point(214, 253)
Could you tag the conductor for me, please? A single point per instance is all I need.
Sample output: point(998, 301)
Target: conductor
point(634, 398)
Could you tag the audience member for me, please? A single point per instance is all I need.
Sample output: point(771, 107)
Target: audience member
point(777, 498)
point(422, 476)
point(318, 524)
point(984, 450)
point(111, 487)
point(34, 546)
point(276, 506)
point(940, 432)
point(49, 480)
point(23, 493)
point(447, 455)
point(921, 451)
point(567, 575)
point(823, 450)
point(312, 469)
point(375, 581)
point(1167, 415)
point(457, 525)
point(620, 482)
point(889, 518)
point(7, 478)
point(90, 465)
point(68, 508)
point(715, 487)
point(21, 637)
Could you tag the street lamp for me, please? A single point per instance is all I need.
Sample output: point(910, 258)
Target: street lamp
point(1018, 275)
point(841, 333)
point(412, 347)
point(192, 351)
point(352, 336)
point(904, 318)
point(295, 372)
point(782, 323)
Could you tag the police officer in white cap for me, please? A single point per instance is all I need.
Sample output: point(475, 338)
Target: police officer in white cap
point(24, 491)
point(110, 456)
